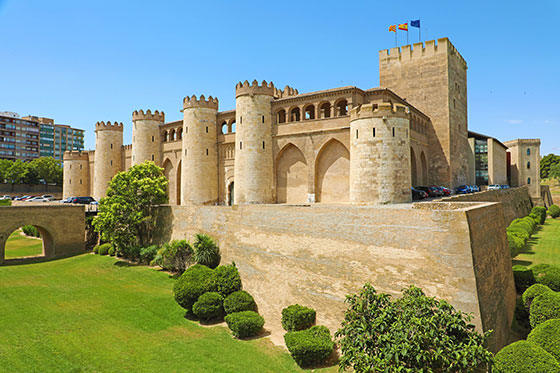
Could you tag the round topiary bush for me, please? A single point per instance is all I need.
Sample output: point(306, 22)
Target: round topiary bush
point(547, 335)
point(239, 301)
point(209, 306)
point(296, 317)
point(244, 324)
point(194, 282)
point(104, 249)
point(544, 307)
point(532, 292)
point(548, 275)
point(540, 213)
point(527, 226)
point(554, 211)
point(311, 346)
point(524, 357)
point(226, 279)
point(515, 244)
point(523, 277)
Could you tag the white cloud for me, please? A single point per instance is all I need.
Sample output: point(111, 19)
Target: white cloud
point(514, 121)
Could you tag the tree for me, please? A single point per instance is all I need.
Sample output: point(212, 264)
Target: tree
point(555, 171)
point(127, 216)
point(410, 334)
point(546, 164)
point(47, 169)
point(16, 172)
point(5, 165)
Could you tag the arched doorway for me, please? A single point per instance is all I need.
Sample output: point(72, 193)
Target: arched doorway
point(169, 174)
point(424, 165)
point(231, 195)
point(178, 183)
point(291, 176)
point(28, 241)
point(413, 169)
point(332, 173)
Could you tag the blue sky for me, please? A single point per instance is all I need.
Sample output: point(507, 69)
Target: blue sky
point(82, 62)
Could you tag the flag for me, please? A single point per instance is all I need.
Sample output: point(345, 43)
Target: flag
point(393, 28)
point(415, 23)
point(403, 26)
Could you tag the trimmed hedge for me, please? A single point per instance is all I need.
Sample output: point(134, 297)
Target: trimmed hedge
point(103, 249)
point(547, 335)
point(296, 317)
point(194, 282)
point(548, 275)
point(532, 292)
point(112, 251)
point(515, 244)
point(311, 346)
point(226, 279)
point(521, 314)
point(540, 212)
point(209, 306)
point(523, 277)
point(244, 324)
point(554, 211)
point(527, 224)
point(524, 357)
point(147, 254)
point(239, 301)
point(544, 307)
point(30, 231)
point(5, 202)
point(174, 256)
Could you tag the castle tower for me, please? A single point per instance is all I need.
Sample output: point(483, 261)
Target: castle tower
point(253, 143)
point(525, 164)
point(76, 174)
point(380, 154)
point(108, 155)
point(199, 165)
point(433, 78)
point(146, 139)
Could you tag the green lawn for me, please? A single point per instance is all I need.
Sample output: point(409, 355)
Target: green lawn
point(19, 245)
point(543, 247)
point(94, 313)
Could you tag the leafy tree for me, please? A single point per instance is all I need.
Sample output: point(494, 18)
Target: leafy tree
point(16, 172)
point(5, 165)
point(47, 169)
point(555, 171)
point(414, 333)
point(127, 216)
point(546, 164)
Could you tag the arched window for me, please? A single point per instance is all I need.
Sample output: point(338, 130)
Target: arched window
point(528, 180)
point(341, 108)
point(528, 165)
point(309, 112)
point(295, 115)
point(325, 110)
point(232, 126)
point(180, 133)
point(281, 116)
point(172, 135)
point(528, 151)
point(224, 128)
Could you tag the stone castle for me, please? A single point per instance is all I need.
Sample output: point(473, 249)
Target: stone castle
point(280, 146)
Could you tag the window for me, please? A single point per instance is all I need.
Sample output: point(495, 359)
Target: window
point(152, 139)
point(111, 163)
point(528, 151)
point(528, 165)
point(240, 145)
point(263, 118)
point(152, 157)
point(206, 151)
point(393, 131)
point(263, 144)
point(528, 180)
point(80, 167)
point(356, 133)
point(111, 146)
point(206, 129)
point(374, 132)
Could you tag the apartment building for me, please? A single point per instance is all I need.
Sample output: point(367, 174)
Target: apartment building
point(19, 138)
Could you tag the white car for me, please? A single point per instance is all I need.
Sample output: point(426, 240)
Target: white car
point(6, 197)
point(36, 199)
point(494, 187)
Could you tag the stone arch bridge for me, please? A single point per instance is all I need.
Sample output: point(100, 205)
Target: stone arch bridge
point(62, 227)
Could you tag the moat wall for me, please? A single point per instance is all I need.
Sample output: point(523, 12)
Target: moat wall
point(315, 255)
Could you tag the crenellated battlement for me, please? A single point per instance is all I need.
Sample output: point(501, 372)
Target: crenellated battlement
point(102, 126)
point(419, 50)
point(75, 156)
point(287, 92)
point(376, 110)
point(148, 115)
point(242, 89)
point(194, 102)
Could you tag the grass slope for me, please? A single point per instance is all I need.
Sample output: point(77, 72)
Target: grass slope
point(93, 313)
point(18, 245)
point(543, 247)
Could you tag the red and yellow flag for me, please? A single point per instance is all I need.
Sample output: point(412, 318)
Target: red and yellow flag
point(393, 28)
point(403, 26)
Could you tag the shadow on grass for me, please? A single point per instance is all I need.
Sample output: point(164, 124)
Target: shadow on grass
point(122, 263)
point(36, 259)
point(525, 263)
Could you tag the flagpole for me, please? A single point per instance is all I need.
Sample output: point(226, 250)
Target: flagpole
point(407, 35)
point(420, 30)
point(396, 42)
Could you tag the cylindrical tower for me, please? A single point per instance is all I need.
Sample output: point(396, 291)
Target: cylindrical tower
point(108, 155)
point(254, 178)
point(75, 175)
point(380, 154)
point(146, 139)
point(199, 165)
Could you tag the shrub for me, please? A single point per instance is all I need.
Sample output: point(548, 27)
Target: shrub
point(547, 275)
point(547, 335)
point(244, 324)
point(527, 226)
point(531, 222)
point(96, 249)
point(540, 212)
point(544, 307)
point(412, 333)
point(239, 301)
point(30, 231)
point(296, 317)
point(206, 252)
point(104, 249)
point(226, 279)
point(523, 277)
point(554, 211)
point(5, 202)
point(536, 218)
point(194, 282)
point(524, 357)
point(515, 244)
point(522, 314)
point(311, 346)
point(532, 292)
point(174, 256)
point(519, 232)
point(209, 306)
point(147, 254)
point(112, 251)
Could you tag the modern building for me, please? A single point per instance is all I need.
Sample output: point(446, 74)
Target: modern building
point(55, 139)
point(488, 160)
point(19, 138)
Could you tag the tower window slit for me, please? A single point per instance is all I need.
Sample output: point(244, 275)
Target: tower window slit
point(111, 163)
point(152, 157)
point(152, 139)
point(393, 131)
point(373, 132)
point(206, 151)
point(206, 129)
point(356, 133)
point(263, 144)
point(240, 145)
point(263, 118)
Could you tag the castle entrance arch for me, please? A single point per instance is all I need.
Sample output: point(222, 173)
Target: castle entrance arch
point(291, 176)
point(413, 168)
point(231, 194)
point(332, 172)
point(170, 175)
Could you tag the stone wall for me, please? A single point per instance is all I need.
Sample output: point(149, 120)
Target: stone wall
point(516, 202)
point(315, 255)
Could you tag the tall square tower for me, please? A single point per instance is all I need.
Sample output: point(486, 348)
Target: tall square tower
point(525, 164)
point(433, 78)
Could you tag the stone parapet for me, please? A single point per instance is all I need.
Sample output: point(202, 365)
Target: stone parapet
point(194, 102)
point(102, 126)
point(75, 156)
point(242, 89)
point(378, 110)
point(148, 115)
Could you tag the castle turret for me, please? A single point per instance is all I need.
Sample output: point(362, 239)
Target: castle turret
point(379, 154)
point(146, 139)
point(76, 174)
point(108, 155)
point(253, 143)
point(199, 165)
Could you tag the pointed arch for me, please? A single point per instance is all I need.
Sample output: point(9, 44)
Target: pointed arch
point(178, 183)
point(413, 168)
point(424, 165)
point(291, 175)
point(332, 169)
point(170, 175)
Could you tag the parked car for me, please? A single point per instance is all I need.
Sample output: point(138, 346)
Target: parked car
point(430, 190)
point(446, 191)
point(48, 196)
point(6, 197)
point(83, 200)
point(494, 187)
point(22, 198)
point(418, 194)
point(462, 189)
point(36, 199)
point(67, 200)
point(505, 186)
